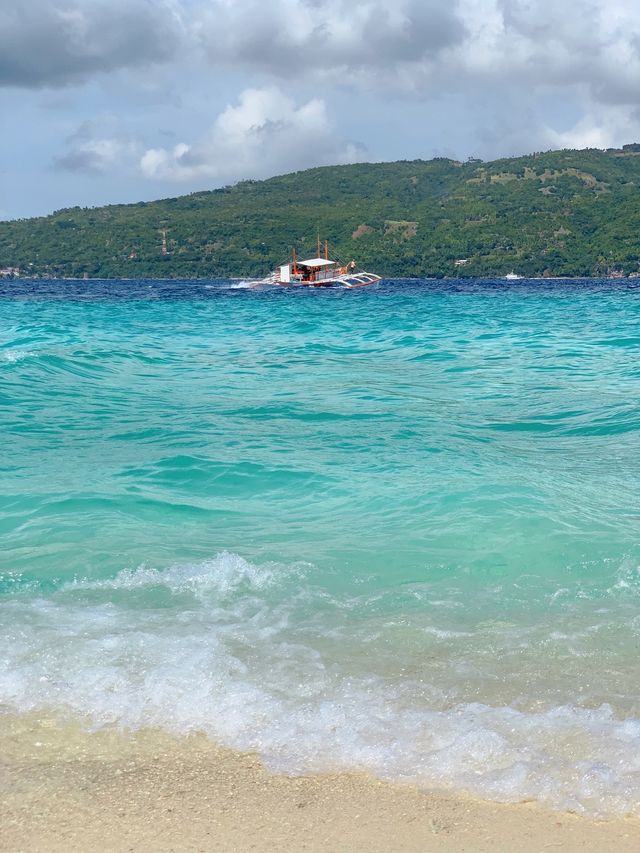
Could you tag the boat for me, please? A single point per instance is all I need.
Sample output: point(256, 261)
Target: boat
point(319, 272)
point(513, 276)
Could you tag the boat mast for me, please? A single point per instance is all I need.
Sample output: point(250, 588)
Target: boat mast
point(326, 250)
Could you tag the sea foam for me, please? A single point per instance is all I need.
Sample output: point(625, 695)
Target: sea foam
point(208, 647)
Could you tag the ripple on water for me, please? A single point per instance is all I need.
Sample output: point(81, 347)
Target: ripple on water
point(421, 501)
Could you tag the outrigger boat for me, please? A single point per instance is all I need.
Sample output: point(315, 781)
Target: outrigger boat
point(319, 272)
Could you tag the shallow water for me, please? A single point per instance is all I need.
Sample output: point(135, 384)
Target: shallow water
point(395, 528)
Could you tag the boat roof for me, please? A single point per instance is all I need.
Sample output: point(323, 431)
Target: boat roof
point(315, 262)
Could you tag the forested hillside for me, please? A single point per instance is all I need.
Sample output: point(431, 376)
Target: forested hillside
point(553, 213)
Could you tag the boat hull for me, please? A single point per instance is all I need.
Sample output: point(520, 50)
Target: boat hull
point(349, 282)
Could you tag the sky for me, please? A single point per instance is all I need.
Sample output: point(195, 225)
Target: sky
point(106, 101)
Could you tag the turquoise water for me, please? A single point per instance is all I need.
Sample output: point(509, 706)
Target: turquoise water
point(395, 529)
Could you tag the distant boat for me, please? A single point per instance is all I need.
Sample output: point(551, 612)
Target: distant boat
point(513, 276)
point(319, 272)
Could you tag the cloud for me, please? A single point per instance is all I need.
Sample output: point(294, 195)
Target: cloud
point(98, 146)
point(604, 126)
point(61, 42)
point(299, 36)
point(424, 47)
point(417, 48)
point(264, 134)
point(591, 44)
point(575, 65)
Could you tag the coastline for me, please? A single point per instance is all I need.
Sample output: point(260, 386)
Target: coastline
point(64, 788)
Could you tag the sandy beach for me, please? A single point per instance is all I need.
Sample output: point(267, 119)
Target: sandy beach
point(64, 789)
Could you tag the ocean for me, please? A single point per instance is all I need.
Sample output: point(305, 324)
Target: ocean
point(395, 529)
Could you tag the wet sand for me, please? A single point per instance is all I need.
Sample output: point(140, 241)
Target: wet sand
point(63, 789)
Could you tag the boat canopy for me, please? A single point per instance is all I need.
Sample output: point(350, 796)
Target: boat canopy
point(316, 262)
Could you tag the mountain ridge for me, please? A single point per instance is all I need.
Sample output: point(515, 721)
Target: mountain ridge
point(554, 213)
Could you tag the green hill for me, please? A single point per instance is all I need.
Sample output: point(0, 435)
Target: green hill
point(553, 213)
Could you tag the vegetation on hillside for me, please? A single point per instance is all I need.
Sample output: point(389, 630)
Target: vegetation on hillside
point(554, 213)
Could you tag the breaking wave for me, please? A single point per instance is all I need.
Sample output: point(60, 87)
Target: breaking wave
point(259, 660)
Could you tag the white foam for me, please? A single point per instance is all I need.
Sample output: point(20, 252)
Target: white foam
point(441, 634)
point(628, 577)
point(257, 670)
point(13, 355)
point(223, 574)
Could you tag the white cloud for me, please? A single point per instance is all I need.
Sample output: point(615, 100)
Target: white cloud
point(265, 133)
point(602, 127)
point(591, 44)
point(99, 146)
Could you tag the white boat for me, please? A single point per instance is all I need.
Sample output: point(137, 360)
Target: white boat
point(513, 276)
point(319, 272)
